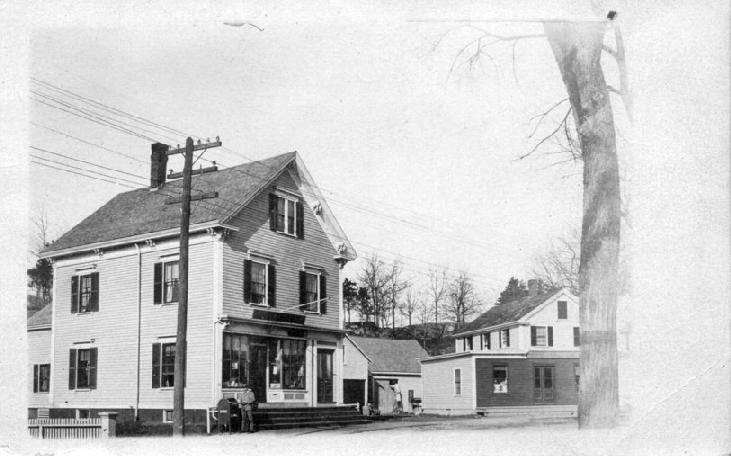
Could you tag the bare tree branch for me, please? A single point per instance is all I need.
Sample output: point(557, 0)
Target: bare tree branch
point(543, 115)
point(547, 137)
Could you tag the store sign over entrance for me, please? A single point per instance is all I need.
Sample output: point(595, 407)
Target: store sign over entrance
point(278, 317)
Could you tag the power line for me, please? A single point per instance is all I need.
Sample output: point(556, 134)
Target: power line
point(354, 207)
point(90, 143)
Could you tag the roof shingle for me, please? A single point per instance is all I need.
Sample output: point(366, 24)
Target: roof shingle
point(389, 355)
point(144, 210)
point(42, 317)
point(508, 312)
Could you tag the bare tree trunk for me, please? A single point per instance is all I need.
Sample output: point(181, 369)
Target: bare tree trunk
point(577, 48)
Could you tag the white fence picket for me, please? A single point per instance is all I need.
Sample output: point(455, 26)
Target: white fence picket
point(65, 428)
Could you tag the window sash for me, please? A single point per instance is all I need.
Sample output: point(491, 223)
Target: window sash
point(83, 368)
point(500, 379)
point(458, 382)
point(167, 365)
point(541, 336)
point(291, 216)
point(85, 291)
point(258, 281)
point(312, 291)
point(170, 282)
point(504, 338)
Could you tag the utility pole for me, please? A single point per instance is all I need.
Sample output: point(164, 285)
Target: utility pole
point(181, 341)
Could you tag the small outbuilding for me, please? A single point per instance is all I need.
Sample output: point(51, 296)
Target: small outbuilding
point(375, 365)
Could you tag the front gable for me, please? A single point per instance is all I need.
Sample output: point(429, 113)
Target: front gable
point(548, 311)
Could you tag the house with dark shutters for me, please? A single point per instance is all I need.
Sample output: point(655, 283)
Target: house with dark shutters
point(520, 356)
point(265, 304)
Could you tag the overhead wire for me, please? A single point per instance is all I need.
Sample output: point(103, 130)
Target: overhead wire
point(336, 201)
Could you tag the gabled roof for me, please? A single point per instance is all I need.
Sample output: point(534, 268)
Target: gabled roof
point(389, 355)
point(143, 211)
point(509, 312)
point(41, 318)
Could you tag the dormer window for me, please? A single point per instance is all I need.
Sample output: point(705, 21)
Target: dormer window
point(286, 215)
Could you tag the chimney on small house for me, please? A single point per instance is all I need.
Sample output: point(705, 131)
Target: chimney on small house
point(532, 287)
point(158, 165)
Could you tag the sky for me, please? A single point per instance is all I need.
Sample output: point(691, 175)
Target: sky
point(386, 122)
point(419, 159)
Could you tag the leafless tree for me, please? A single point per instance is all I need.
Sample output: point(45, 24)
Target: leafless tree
point(577, 48)
point(411, 303)
point(463, 300)
point(559, 265)
point(437, 291)
point(396, 287)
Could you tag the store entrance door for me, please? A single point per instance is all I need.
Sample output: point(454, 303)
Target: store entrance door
point(258, 372)
point(324, 376)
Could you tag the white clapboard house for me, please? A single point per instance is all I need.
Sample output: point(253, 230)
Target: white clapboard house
point(265, 304)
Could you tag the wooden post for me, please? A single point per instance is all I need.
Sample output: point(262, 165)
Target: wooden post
point(180, 346)
point(109, 424)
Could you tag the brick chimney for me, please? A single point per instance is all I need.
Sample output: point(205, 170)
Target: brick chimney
point(158, 165)
point(532, 287)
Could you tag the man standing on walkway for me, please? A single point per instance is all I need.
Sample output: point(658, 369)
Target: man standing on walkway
point(246, 400)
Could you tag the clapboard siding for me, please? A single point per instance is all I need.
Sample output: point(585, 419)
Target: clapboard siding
point(288, 252)
point(161, 320)
point(113, 330)
point(520, 382)
point(438, 383)
point(39, 352)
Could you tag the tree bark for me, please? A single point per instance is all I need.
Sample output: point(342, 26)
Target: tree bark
point(577, 48)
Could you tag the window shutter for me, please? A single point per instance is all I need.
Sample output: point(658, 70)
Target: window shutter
point(156, 365)
point(273, 211)
point(487, 336)
point(533, 336)
point(550, 336)
point(92, 367)
point(74, 294)
point(507, 338)
point(323, 294)
point(72, 368)
point(303, 288)
point(35, 378)
point(247, 281)
point(300, 220)
point(577, 336)
point(157, 294)
point(272, 290)
point(482, 342)
point(94, 298)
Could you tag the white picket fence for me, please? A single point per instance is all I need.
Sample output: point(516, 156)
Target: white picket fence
point(65, 428)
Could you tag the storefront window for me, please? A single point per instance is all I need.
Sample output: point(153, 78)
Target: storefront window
point(235, 360)
point(275, 364)
point(293, 363)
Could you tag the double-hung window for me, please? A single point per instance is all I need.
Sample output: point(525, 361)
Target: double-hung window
point(163, 365)
point(577, 336)
point(85, 293)
point(504, 338)
point(167, 282)
point(468, 343)
point(286, 215)
point(541, 336)
point(82, 368)
point(313, 291)
point(260, 281)
point(487, 341)
point(41, 378)
point(500, 379)
point(457, 382)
